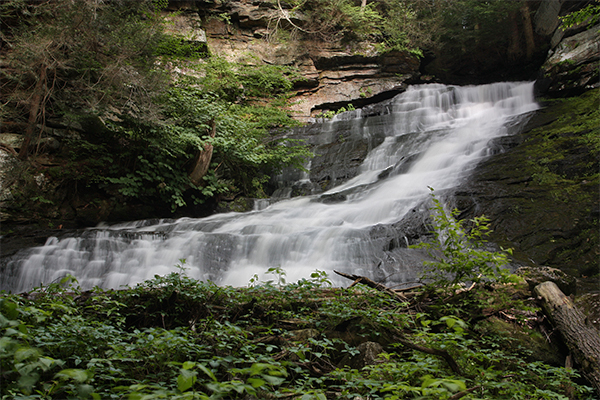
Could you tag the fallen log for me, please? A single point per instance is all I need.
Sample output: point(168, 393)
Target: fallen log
point(582, 339)
point(372, 284)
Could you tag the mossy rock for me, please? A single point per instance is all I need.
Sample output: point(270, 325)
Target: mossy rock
point(533, 341)
point(536, 275)
point(241, 204)
point(358, 330)
point(589, 304)
point(368, 352)
point(541, 192)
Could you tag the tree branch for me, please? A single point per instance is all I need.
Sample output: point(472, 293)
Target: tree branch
point(377, 286)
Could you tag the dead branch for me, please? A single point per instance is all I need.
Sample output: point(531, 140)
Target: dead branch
point(582, 339)
point(436, 352)
point(458, 395)
point(377, 286)
point(8, 149)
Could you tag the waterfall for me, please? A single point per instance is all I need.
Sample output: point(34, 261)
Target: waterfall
point(433, 136)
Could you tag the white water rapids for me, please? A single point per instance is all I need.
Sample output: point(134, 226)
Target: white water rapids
point(435, 134)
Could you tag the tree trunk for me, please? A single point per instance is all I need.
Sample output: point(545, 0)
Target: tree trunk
point(514, 49)
point(203, 158)
point(34, 110)
point(528, 30)
point(582, 339)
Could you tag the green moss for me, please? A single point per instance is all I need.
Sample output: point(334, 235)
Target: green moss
point(566, 151)
point(548, 212)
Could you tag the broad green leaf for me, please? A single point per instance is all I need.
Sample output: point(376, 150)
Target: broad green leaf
point(78, 375)
point(186, 380)
point(208, 372)
point(188, 365)
point(256, 382)
point(25, 353)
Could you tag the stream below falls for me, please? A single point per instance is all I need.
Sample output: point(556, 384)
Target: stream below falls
point(429, 136)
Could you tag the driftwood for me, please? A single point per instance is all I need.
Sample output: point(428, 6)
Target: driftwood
point(582, 339)
point(372, 284)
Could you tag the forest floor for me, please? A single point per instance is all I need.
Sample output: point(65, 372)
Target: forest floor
point(178, 338)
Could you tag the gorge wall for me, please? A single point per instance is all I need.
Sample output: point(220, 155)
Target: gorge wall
point(335, 73)
point(540, 189)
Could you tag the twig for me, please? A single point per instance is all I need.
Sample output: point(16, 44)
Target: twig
point(8, 149)
point(463, 393)
point(378, 286)
point(287, 18)
point(436, 352)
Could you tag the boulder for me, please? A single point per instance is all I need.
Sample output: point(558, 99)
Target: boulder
point(576, 50)
point(15, 141)
point(301, 335)
point(536, 275)
point(546, 19)
point(572, 67)
point(589, 303)
point(368, 353)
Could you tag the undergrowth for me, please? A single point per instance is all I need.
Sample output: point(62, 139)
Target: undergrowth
point(177, 338)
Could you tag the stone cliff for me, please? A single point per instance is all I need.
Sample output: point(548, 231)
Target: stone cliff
point(542, 198)
point(335, 74)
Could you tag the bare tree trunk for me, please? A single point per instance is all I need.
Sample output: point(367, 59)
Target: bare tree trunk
point(34, 111)
point(528, 30)
point(203, 158)
point(582, 339)
point(513, 44)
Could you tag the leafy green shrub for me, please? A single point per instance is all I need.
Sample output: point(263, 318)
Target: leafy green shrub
point(458, 255)
point(178, 338)
point(179, 47)
point(589, 15)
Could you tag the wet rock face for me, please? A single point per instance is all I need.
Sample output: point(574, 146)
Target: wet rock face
point(339, 151)
point(541, 192)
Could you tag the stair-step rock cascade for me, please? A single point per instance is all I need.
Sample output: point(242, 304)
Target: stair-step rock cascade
point(363, 223)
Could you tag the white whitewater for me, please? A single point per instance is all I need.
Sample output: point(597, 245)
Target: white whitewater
point(436, 134)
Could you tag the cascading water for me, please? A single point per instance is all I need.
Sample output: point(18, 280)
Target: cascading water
point(434, 134)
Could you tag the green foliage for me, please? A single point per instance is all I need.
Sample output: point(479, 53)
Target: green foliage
point(235, 82)
point(330, 113)
point(179, 47)
point(141, 133)
point(178, 338)
point(392, 25)
point(467, 26)
point(459, 256)
point(92, 54)
point(244, 154)
point(589, 15)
